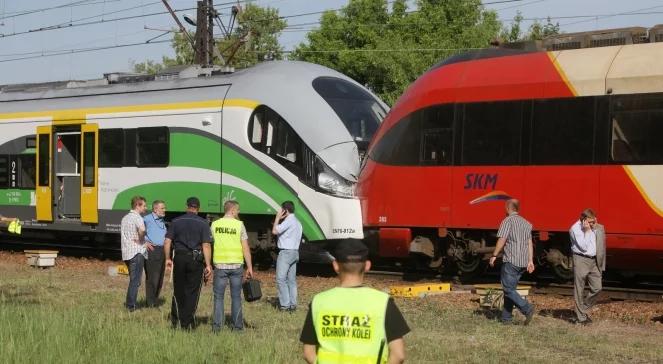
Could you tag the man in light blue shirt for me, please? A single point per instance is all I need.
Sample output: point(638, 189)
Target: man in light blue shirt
point(155, 234)
point(289, 232)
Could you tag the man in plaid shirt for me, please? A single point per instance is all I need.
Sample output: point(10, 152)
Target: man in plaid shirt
point(134, 248)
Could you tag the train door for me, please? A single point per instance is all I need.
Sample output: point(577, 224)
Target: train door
point(67, 186)
point(44, 192)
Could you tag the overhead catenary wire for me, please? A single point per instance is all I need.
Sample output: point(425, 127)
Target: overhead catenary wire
point(17, 14)
point(32, 55)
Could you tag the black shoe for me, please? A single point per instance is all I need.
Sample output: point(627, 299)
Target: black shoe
point(584, 322)
point(530, 314)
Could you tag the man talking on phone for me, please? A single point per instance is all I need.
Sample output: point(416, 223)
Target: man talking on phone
point(588, 246)
point(289, 232)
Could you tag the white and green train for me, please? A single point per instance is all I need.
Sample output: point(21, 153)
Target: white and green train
point(72, 154)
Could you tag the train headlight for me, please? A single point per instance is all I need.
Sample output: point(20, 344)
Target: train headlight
point(330, 182)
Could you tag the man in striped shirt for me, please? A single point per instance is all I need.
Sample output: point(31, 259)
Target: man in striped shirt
point(134, 248)
point(515, 236)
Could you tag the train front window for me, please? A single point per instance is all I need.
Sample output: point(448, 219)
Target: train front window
point(359, 111)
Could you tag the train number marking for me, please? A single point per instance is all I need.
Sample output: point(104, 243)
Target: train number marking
point(480, 181)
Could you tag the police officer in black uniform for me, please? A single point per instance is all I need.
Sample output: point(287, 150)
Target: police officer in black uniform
point(191, 239)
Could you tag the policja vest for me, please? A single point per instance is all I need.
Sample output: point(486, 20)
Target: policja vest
point(227, 241)
point(349, 325)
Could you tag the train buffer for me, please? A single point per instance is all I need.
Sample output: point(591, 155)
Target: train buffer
point(420, 290)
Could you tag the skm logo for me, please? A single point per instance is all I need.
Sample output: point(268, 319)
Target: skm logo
point(480, 181)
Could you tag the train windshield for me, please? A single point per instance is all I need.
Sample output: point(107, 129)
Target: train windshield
point(359, 110)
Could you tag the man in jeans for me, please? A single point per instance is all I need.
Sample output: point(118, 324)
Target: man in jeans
point(515, 236)
point(289, 232)
point(155, 234)
point(134, 248)
point(231, 251)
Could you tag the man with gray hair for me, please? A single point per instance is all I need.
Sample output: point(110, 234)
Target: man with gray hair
point(155, 234)
point(515, 236)
point(588, 246)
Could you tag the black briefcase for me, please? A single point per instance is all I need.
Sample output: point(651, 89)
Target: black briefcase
point(252, 291)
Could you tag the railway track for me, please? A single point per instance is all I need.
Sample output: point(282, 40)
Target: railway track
point(647, 292)
point(607, 293)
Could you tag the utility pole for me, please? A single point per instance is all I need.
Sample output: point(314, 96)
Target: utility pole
point(202, 33)
point(204, 39)
point(211, 14)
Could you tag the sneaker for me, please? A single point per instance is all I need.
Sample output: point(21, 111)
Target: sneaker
point(530, 314)
point(292, 309)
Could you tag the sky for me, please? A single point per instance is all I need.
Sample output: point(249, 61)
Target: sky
point(27, 35)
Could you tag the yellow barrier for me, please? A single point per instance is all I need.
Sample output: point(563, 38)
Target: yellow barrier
point(420, 290)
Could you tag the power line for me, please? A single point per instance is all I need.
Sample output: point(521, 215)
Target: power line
point(609, 16)
point(17, 14)
point(83, 50)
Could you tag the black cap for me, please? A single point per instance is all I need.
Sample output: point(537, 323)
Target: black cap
point(350, 250)
point(193, 202)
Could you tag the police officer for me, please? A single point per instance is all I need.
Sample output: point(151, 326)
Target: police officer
point(352, 323)
point(231, 251)
point(190, 237)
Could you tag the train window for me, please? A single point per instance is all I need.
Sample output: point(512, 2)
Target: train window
point(271, 134)
point(491, 133)
point(111, 148)
point(27, 168)
point(4, 171)
point(288, 146)
point(400, 145)
point(152, 147)
point(437, 135)
point(637, 124)
point(256, 129)
point(261, 128)
point(359, 111)
point(563, 131)
point(88, 159)
point(44, 159)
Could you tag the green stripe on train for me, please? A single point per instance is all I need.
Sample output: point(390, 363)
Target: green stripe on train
point(176, 193)
point(190, 150)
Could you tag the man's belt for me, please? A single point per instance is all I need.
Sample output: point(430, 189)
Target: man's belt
point(585, 255)
point(187, 251)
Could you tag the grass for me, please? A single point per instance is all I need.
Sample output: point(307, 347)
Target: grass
point(76, 316)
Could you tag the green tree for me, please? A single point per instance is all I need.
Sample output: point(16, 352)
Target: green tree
point(536, 31)
point(254, 39)
point(386, 49)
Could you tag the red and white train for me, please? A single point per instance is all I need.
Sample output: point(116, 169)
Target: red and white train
point(561, 130)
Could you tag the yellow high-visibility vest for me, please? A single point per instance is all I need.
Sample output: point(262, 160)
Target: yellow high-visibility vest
point(349, 325)
point(227, 241)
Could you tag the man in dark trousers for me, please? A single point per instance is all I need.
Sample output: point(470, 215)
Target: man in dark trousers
point(191, 239)
point(515, 236)
point(155, 234)
point(588, 246)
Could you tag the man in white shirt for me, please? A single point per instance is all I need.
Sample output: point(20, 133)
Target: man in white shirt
point(588, 247)
point(134, 248)
point(289, 232)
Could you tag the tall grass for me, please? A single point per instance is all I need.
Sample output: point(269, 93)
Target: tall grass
point(77, 317)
